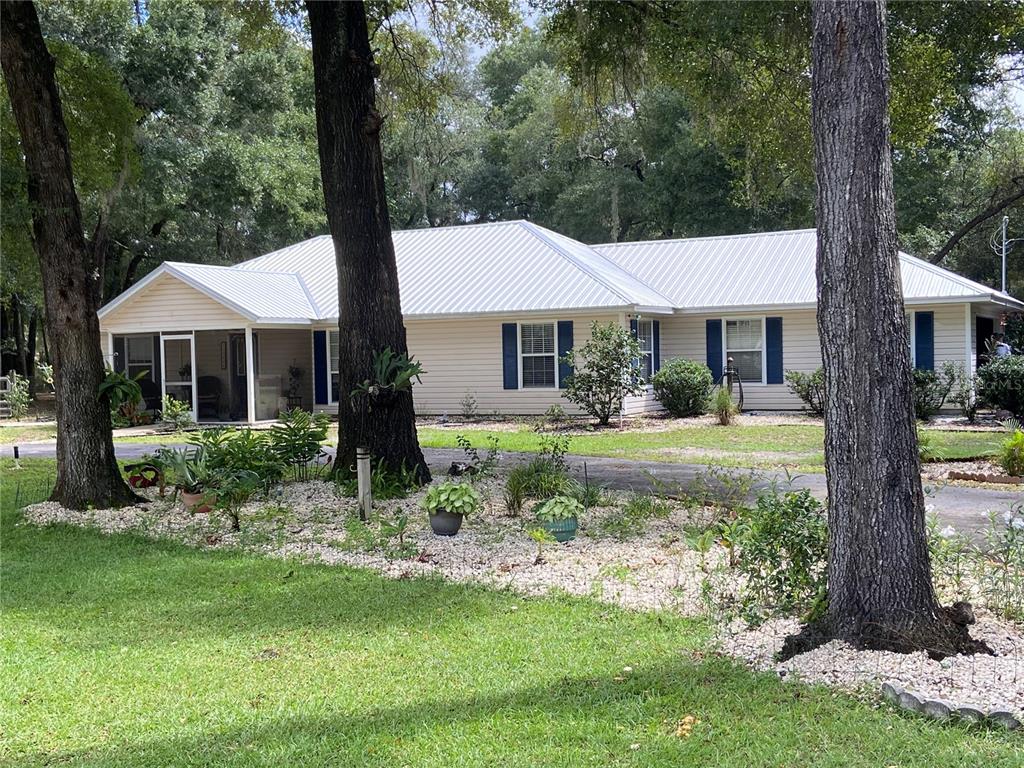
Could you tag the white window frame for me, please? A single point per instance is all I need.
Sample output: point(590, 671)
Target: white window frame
point(333, 367)
point(520, 355)
point(763, 350)
point(128, 364)
point(648, 353)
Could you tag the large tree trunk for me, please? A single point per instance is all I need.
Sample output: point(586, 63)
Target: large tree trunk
point(87, 473)
point(351, 167)
point(880, 591)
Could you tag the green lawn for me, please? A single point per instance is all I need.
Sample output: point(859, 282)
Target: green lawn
point(799, 446)
point(11, 435)
point(122, 651)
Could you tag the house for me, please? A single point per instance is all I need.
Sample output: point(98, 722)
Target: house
point(490, 308)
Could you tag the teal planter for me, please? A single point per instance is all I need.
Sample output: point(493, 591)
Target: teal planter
point(563, 530)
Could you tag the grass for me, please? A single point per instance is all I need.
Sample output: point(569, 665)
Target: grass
point(11, 435)
point(798, 446)
point(120, 651)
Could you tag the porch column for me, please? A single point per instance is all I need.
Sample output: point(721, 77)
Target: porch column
point(250, 377)
point(110, 351)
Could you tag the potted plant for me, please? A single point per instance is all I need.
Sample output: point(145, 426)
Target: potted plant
point(191, 477)
point(559, 516)
point(447, 504)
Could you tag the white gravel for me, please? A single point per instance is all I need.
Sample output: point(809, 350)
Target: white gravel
point(986, 682)
point(652, 571)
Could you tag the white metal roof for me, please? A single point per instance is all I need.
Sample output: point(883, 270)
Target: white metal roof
point(261, 296)
point(512, 266)
point(767, 269)
point(517, 266)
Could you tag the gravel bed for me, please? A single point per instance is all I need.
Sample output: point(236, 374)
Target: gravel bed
point(986, 682)
point(653, 570)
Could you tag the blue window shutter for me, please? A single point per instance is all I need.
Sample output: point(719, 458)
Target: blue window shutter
point(713, 331)
point(924, 340)
point(510, 355)
point(320, 369)
point(657, 346)
point(120, 361)
point(564, 345)
point(773, 348)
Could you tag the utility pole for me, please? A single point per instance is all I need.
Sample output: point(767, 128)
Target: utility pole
point(1006, 220)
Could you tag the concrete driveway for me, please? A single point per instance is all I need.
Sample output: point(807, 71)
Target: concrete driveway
point(966, 509)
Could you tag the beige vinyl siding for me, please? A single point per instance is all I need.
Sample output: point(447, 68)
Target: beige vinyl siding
point(465, 356)
point(168, 304)
point(684, 336)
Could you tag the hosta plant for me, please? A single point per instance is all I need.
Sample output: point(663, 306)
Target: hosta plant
point(457, 498)
point(558, 508)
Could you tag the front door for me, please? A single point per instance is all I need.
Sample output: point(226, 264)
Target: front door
point(178, 363)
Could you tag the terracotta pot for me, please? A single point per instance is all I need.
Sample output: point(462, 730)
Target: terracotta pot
point(194, 502)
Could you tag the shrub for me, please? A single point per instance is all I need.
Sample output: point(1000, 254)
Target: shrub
point(384, 483)
point(604, 371)
point(478, 467)
point(782, 545)
point(1001, 384)
point(809, 387)
point(555, 414)
point(931, 391)
point(963, 394)
point(17, 396)
point(233, 489)
point(124, 394)
point(228, 452)
point(176, 412)
point(723, 406)
point(468, 406)
point(1011, 454)
point(457, 498)
point(558, 508)
point(683, 387)
point(296, 441)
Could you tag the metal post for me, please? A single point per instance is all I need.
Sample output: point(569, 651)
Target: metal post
point(1006, 220)
point(363, 491)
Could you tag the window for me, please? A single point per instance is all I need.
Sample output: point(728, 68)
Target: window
point(332, 362)
point(744, 343)
point(645, 335)
point(537, 350)
point(139, 350)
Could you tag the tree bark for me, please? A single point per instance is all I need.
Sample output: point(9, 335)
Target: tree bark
point(87, 473)
point(880, 592)
point(352, 171)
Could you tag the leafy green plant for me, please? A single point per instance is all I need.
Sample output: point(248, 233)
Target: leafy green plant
point(1001, 384)
point(44, 372)
point(558, 508)
point(542, 538)
point(683, 387)
point(185, 468)
point(810, 388)
point(931, 390)
point(537, 479)
point(234, 488)
point(604, 371)
point(781, 545)
point(391, 373)
point(555, 414)
point(296, 440)
point(723, 407)
point(457, 498)
point(927, 450)
point(176, 412)
point(18, 396)
point(232, 450)
point(124, 394)
point(1011, 454)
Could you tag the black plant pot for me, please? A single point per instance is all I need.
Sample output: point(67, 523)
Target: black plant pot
point(445, 523)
